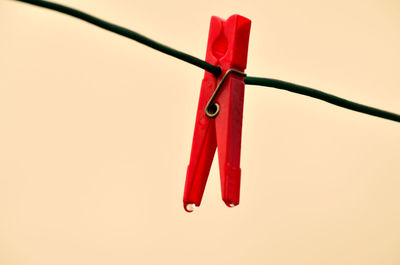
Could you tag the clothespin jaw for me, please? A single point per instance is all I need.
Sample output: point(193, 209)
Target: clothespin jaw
point(227, 48)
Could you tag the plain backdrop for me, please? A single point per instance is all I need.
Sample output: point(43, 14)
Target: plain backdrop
point(96, 131)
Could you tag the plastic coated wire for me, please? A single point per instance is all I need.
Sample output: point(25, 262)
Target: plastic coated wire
point(127, 33)
point(322, 96)
point(212, 68)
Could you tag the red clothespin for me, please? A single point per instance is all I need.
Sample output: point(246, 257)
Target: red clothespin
point(220, 112)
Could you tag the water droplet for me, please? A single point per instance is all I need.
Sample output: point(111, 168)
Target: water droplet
point(230, 204)
point(189, 207)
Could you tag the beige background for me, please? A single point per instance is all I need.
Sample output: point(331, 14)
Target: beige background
point(96, 130)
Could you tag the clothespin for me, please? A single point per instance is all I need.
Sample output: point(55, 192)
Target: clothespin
point(220, 113)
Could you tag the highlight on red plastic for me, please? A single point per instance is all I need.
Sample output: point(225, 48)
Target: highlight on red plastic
point(227, 48)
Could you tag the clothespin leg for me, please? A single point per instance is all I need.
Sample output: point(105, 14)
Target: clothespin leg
point(203, 151)
point(229, 132)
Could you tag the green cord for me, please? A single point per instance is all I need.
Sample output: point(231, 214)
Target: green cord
point(322, 96)
point(127, 33)
point(212, 68)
